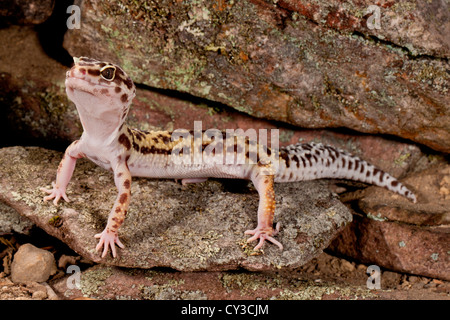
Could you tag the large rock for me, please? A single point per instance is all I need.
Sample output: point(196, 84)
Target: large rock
point(404, 237)
point(112, 283)
point(324, 278)
point(286, 61)
point(199, 227)
point(36, 111)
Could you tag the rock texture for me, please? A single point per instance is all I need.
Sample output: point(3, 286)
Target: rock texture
point(25, 291)
point(26, 12)
point(199, 227)
point(12, 221)
point(35, 108)
point(310, 64)
point(418, 27)
point(412, 238)
point(324, 278)
point(115, 283)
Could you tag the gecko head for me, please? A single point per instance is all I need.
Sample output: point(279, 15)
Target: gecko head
point(100, 90)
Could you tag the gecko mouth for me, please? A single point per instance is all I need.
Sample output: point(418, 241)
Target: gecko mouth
point(80, 84)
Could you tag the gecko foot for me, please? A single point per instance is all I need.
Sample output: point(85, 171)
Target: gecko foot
point(108, 239)
point(263, 235)
point(55, 193)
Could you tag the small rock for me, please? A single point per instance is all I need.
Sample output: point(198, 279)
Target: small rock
point(390, 280)
point(67, 260)
point(39, 295)
point(347, 266)
point(32, 264)
point(430, 285)
point(51, 295)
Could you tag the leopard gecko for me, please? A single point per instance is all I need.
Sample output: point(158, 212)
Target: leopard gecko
point(102, 93)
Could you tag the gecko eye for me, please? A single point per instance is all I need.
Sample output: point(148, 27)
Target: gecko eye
point(108, 73)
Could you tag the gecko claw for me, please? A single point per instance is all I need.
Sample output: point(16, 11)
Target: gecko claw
point(108, 239)
point(263, 235)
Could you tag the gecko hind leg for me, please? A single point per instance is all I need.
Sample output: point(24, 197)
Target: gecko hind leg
point(263, 179)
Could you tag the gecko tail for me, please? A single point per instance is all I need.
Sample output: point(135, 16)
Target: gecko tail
point(310, 161)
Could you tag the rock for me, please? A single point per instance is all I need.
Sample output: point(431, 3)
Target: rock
point(39, 295)
point(12, 221)
point(347, 266)
point(276, 61)
point(198, 227)
point(419, 27)
point(34, 105)
point(32, 264)
point(432, 209)
point(28, 290)
point(403, 236)
point(51, 294)
point(26, 12)
point(106, 282)
point(65, 260)
point(398, 247)
point(38, 291)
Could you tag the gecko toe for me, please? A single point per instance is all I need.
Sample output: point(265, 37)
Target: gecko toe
point(263, 235)
point(275, 242)
point(108, 239)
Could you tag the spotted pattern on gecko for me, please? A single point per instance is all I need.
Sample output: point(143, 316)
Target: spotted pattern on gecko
point(102, 93)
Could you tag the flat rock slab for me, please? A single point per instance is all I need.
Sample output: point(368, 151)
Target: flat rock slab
point(187, 228)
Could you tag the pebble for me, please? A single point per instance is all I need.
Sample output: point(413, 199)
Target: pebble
point(39, 295)
point(347, 266)
point(32, 264)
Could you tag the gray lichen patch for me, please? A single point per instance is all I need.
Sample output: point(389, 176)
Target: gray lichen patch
point(11, 220)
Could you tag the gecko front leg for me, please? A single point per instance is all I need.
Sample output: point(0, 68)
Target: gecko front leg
point(64, 174)
point(109, 237)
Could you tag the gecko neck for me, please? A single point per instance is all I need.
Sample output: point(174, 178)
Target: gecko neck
point(102, 129)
